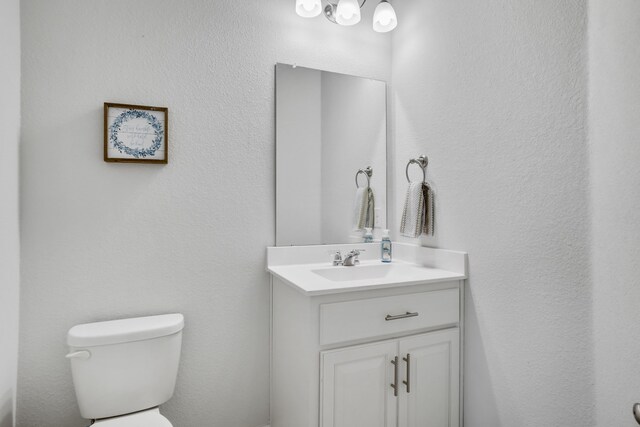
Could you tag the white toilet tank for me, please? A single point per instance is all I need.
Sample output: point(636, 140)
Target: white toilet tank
point(124, 366)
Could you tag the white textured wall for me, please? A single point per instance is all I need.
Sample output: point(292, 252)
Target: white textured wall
point(614, 37)
point(494, 92)
point(9, 243)
point(112, 240)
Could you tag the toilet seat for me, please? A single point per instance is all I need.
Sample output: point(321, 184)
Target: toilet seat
point(148, 418)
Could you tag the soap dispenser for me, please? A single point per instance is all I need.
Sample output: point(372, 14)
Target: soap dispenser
point(368, 235)
point(385, 247)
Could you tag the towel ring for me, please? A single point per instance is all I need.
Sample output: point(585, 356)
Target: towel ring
point(367, 172)
point(421, 161)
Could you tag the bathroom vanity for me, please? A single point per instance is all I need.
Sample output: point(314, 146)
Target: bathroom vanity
point(354, 344)
point(370, 345)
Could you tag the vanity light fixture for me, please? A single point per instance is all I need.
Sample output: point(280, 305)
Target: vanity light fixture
point(308, 8)
point(384, 18)
point(347, 12)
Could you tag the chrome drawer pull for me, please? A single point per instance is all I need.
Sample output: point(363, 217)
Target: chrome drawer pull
point(401, 316)
point(636, 412)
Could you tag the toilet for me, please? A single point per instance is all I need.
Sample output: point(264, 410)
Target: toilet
point(123, 370)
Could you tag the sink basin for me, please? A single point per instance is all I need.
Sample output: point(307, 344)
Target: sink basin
point(359, 272)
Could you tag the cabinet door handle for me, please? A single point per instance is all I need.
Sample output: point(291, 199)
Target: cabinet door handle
point(636, 412)
point(408, 381)
point(401, 316)
point(394, 385)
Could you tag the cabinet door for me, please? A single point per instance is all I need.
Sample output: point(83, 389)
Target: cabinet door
point(356, 386)
point(433, 395)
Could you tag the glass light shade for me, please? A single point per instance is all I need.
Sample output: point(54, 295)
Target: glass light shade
point(308, 8)
point(384, 18)
point(348, 12)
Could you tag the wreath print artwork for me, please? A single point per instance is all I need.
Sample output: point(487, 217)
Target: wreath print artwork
point(136, 152)
point(135, 133)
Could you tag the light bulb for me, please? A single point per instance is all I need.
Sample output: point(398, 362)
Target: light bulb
point(308, 8)
point(384, 18)
point(348, 12)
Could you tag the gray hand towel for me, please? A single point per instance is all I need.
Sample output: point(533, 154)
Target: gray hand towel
point(418, 214)
point(413, 213)
point(370, 221)
point(429, 210)
point(364, 209)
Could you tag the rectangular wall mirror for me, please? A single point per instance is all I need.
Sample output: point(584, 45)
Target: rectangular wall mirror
point(329, 127)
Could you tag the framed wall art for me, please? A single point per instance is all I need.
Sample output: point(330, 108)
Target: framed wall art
point(135, 134)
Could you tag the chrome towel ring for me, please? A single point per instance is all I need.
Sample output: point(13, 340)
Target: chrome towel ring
point(367, 172)
point(421, 161)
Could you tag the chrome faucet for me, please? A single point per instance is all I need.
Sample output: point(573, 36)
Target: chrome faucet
point(351, 259)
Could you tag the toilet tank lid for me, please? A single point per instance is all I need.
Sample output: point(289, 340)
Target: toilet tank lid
point(124, 330)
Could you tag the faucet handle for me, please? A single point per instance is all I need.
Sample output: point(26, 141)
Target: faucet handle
point(337, 257)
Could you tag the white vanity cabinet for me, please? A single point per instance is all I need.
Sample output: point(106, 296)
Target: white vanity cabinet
point(433, 396)
point(354, 384)
point(387, 358)
point(363, 355)
point(408, 382)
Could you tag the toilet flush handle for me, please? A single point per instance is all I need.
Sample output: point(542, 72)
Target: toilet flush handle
point(82, 354)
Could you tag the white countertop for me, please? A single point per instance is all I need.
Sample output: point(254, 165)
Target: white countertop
point(412, 265)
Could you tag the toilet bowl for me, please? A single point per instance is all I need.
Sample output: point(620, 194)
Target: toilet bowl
point(148, 418)
point(122, 368)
